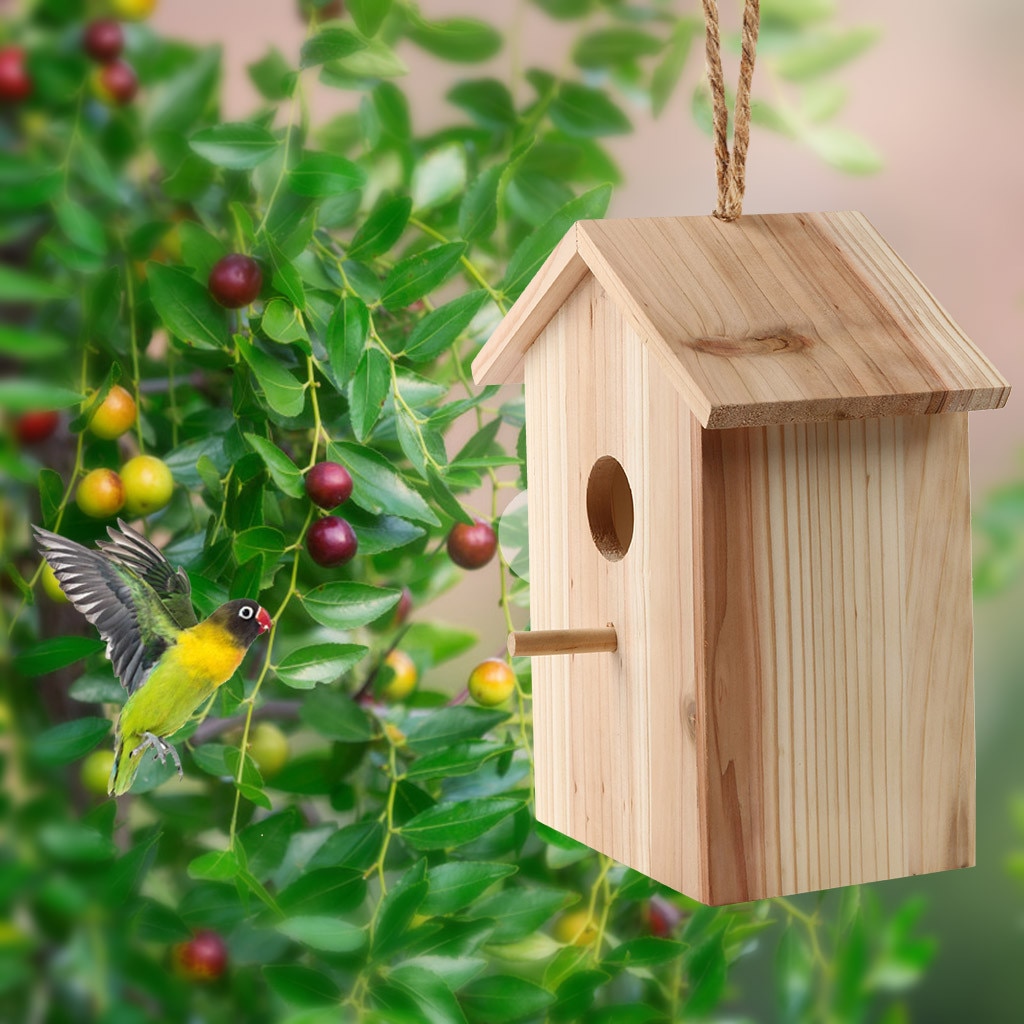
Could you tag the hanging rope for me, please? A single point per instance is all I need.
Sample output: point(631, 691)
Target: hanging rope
point(731, 169)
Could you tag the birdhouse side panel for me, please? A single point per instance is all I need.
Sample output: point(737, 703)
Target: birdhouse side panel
point(615, 754)
point(839, 665)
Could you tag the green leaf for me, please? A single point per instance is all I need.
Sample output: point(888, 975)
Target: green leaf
point(504, 999)
point(284, 393)
point(331, 891)
point(272, 75)
point(301, 986)
point(259, 540)
point(336, 716)
point(19, 395)
point(707, 972)
point(586, 113)
point(68, 741)
point(178, 102)
point(450, 825)
point(794, 974)
point(520, 910)
point(461, 40)
point(31, 345)
point(822, 53)
point(215, 866)
point(441, 328)
point(445, 726)
point(377, 485)
point(669, 70)
point(431, 993)
point(382, 229)
point(326, 934)
point(439, 176)
point(566, 10)
point(613, 46)
point(646, 951)
point(199, 249)
point(381, 533)
point(236, 146)
point(415, 276)
point(461, 759)
point(487, 101)
point(55, 653)
point(369, 15)
point(318, 663)
point(283, 323)
point(329, 44)
point(347, 605)
point(367, 391)
point(456, 884)
point(16, 286)
point(325, 174)
point(844, 149)
point(478, 212)
point(397, 909)
point(355, 846)
point(346, 336)
point(283, 471)
point(82, 227)
point(536, 248)
point(186, 307)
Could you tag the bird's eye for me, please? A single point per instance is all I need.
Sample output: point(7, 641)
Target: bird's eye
point(246, 612)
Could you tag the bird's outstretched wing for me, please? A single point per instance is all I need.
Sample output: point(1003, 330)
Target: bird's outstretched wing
point(134, 552)
point(128, 611)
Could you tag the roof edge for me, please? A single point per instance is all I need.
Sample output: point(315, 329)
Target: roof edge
point(501, 360)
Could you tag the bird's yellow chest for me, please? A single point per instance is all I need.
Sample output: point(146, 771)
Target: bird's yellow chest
point(209, 653)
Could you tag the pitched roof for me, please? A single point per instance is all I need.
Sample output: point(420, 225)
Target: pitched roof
point(767, 319)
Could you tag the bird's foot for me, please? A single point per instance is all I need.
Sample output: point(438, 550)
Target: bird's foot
point(161, 748)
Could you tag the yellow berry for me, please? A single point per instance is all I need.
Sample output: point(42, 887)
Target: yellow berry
point(95, 771)
point(404, 677)
point(115, 415)
point(491, 683)
point(51, 588)
point(148, 485)
point(100, 494)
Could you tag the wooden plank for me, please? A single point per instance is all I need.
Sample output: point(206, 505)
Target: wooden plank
point(839, 689)
point(615, 748)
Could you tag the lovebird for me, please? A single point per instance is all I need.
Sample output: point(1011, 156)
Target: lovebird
point(168, 661)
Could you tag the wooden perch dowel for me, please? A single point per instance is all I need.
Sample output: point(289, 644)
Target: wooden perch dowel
point(562, 641)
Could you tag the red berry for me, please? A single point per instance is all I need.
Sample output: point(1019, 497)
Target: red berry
point(118, 81)
point(203, 958)
point(472, 547)
point(235, 280)
point(331, 542)
point(662, 916)
point(103, 40)
point(328, 484)
point(33, 427)
point(15, 81)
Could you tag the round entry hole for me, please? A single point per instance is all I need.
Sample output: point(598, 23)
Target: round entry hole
point(610, 508)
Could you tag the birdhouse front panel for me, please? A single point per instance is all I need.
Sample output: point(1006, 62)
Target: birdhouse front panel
point(838, 682)
point(611, 453)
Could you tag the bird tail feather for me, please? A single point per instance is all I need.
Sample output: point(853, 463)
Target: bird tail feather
point(122, 775)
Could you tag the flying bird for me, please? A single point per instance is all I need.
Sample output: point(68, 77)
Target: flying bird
point(168, 661)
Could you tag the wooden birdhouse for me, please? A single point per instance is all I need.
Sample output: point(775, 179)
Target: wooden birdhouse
point(749, 506)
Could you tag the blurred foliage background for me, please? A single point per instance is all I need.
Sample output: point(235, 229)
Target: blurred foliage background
point(379, 860)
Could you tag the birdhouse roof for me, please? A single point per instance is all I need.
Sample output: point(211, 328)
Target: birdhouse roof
point(766, 319)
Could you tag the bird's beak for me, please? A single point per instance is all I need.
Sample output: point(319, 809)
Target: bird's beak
point(265, 621)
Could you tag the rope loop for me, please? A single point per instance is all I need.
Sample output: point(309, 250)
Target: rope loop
point(731, 168)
